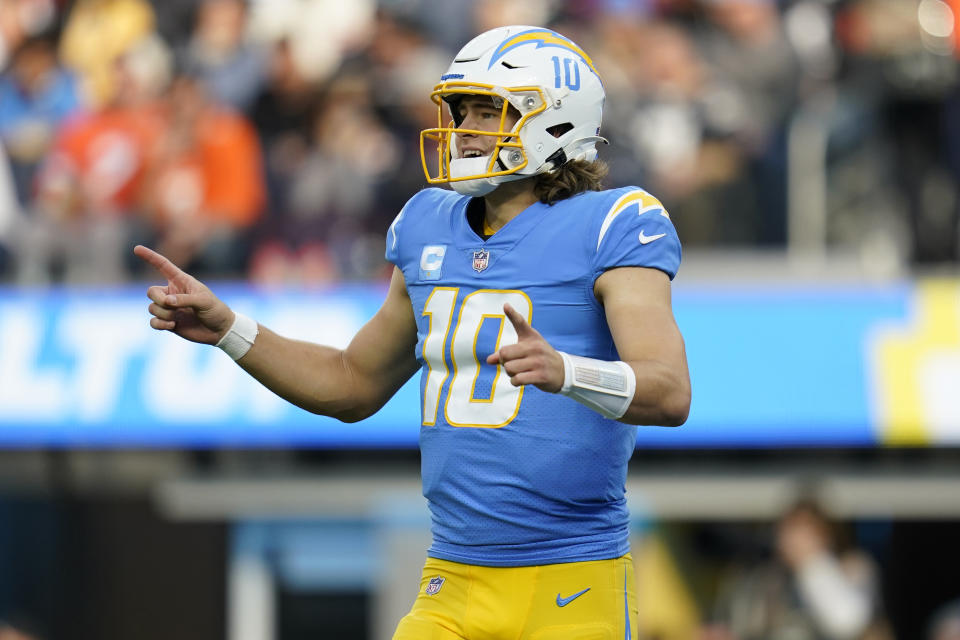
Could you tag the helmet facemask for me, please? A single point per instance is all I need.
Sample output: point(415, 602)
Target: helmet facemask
point(479, 175)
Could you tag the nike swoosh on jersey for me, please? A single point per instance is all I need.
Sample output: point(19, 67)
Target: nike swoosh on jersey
point(645, 239)
point(562, 602)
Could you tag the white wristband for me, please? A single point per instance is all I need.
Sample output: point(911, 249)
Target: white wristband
point(238, 340)
point(604, 386)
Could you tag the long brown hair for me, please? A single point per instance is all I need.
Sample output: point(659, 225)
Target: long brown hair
point(572, 178)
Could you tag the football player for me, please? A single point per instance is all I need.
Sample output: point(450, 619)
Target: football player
point(537, 308)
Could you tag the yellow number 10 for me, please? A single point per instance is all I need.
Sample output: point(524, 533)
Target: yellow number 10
point(462, 408)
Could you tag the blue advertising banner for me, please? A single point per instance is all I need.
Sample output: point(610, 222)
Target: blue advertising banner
point(772, 366)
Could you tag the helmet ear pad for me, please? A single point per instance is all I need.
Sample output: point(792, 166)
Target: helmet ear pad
point(552, 140)
point(569, 123)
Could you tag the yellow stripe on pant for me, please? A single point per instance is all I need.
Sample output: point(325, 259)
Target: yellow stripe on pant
point(594, 600)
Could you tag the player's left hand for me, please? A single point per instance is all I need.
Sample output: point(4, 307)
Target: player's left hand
point(531, 360)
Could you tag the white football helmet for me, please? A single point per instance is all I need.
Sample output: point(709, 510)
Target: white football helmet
point(547, 78)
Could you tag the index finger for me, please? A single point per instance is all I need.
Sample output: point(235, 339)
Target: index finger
point(518, 321)
point(158, 262)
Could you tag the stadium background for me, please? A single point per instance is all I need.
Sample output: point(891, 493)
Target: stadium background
point(807, 151)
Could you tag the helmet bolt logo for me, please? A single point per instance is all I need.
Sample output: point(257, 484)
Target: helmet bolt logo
point(515, 156)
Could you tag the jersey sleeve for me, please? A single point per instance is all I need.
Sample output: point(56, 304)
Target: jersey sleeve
point(637, 232)
point(415, 224)
point(393, 236)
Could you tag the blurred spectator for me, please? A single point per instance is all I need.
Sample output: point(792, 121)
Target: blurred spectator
point(400, 68)
point(88, 189)
point(21, 19)
point(488, 14)
point(444, 20)
point(319, 33)
point(351, 151)
point(753, 68)
point(283, 116)
point(333, 191)
point(945, 624)
point(174, 21)
point(36, 96)
point(814, 589)
point(753, 88)
point(204, 189)
point(96, 34)
point(403, 65)
point(220, 55)
point(901, 64)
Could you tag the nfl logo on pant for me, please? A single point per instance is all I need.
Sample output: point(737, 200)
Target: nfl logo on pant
point(433, 587)
point(480, 260)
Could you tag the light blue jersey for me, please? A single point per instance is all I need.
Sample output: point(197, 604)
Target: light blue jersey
point(516, 476)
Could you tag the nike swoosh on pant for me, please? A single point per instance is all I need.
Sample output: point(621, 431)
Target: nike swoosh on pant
point(562, 602)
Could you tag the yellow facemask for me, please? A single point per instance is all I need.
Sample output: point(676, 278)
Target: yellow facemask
point(529, 101)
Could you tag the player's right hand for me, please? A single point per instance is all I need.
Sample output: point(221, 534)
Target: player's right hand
point(185, 306)
point(531, 360)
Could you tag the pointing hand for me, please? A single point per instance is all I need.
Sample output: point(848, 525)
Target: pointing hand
point(185, 306)
point(531, 360)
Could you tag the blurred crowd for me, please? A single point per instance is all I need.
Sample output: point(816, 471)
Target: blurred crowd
point(805, 576)
point(274, 140)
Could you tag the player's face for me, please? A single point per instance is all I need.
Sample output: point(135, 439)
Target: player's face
point(480, 114)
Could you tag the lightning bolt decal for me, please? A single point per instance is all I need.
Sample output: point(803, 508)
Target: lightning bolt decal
point(543, 38)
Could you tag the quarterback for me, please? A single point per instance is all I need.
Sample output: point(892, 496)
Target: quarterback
point(537, 308)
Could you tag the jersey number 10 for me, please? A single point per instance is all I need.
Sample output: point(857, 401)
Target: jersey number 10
point(462, 408)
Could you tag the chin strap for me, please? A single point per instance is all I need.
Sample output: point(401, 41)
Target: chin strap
point(474, 188)
point(477, 187)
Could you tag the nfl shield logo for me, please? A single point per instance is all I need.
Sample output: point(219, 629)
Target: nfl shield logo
point(480, 260)
point(433, 587)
